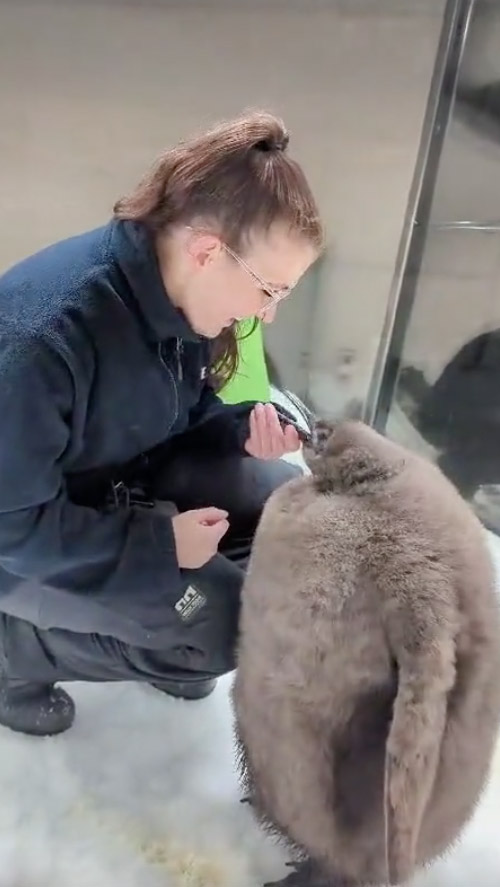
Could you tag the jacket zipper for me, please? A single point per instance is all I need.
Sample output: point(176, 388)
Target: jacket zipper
point(178, 351)
point(121, 494)
point(171, 375)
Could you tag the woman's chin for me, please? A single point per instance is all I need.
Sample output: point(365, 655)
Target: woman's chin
point(211, 331)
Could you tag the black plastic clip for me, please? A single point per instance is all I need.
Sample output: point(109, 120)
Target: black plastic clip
point(124, 497)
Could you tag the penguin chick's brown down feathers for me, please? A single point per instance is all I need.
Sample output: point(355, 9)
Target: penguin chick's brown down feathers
point(367, 695)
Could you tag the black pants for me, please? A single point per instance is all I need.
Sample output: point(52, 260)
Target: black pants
point(190, 480)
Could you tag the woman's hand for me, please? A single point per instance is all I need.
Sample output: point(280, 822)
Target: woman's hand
point(268, 440)
point(197, 535)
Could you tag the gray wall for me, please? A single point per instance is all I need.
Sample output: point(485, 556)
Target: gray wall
point(91, 91)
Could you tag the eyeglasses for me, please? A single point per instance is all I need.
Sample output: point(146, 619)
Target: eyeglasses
point(273, 294)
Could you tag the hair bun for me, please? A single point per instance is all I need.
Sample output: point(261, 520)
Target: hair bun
point(273, 143)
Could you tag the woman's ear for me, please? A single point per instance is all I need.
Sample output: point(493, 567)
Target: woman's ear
point(203, 249)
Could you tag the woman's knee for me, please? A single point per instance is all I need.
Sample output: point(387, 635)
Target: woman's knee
point(239, 484)
point(259, 479)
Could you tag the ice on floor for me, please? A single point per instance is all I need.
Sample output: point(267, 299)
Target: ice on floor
point(142, 793)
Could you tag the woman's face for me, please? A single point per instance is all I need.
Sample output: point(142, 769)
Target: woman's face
point(221, 286)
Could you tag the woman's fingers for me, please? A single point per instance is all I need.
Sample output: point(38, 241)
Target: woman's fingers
point(292, 439)
point(253, 441)
point(261, 430)
point(268, 439)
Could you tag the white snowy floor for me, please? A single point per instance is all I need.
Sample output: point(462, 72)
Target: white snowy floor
point(142, 793)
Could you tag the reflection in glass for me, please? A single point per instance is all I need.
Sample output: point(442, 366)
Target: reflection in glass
point(459, 416)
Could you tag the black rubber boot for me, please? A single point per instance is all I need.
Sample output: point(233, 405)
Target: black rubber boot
point(190, 690)
point(35, 709)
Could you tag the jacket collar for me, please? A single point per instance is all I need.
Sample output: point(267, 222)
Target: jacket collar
point(133, 249)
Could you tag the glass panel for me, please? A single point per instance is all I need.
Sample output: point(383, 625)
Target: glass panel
point(446, 401)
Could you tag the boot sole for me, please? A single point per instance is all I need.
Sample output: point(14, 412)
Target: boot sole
point(34, 731)
point(53, 715)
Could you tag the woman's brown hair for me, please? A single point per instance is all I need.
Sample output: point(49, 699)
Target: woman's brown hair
point(236, 178)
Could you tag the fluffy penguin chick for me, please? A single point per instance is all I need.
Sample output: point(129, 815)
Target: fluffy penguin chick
point(367, 695)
